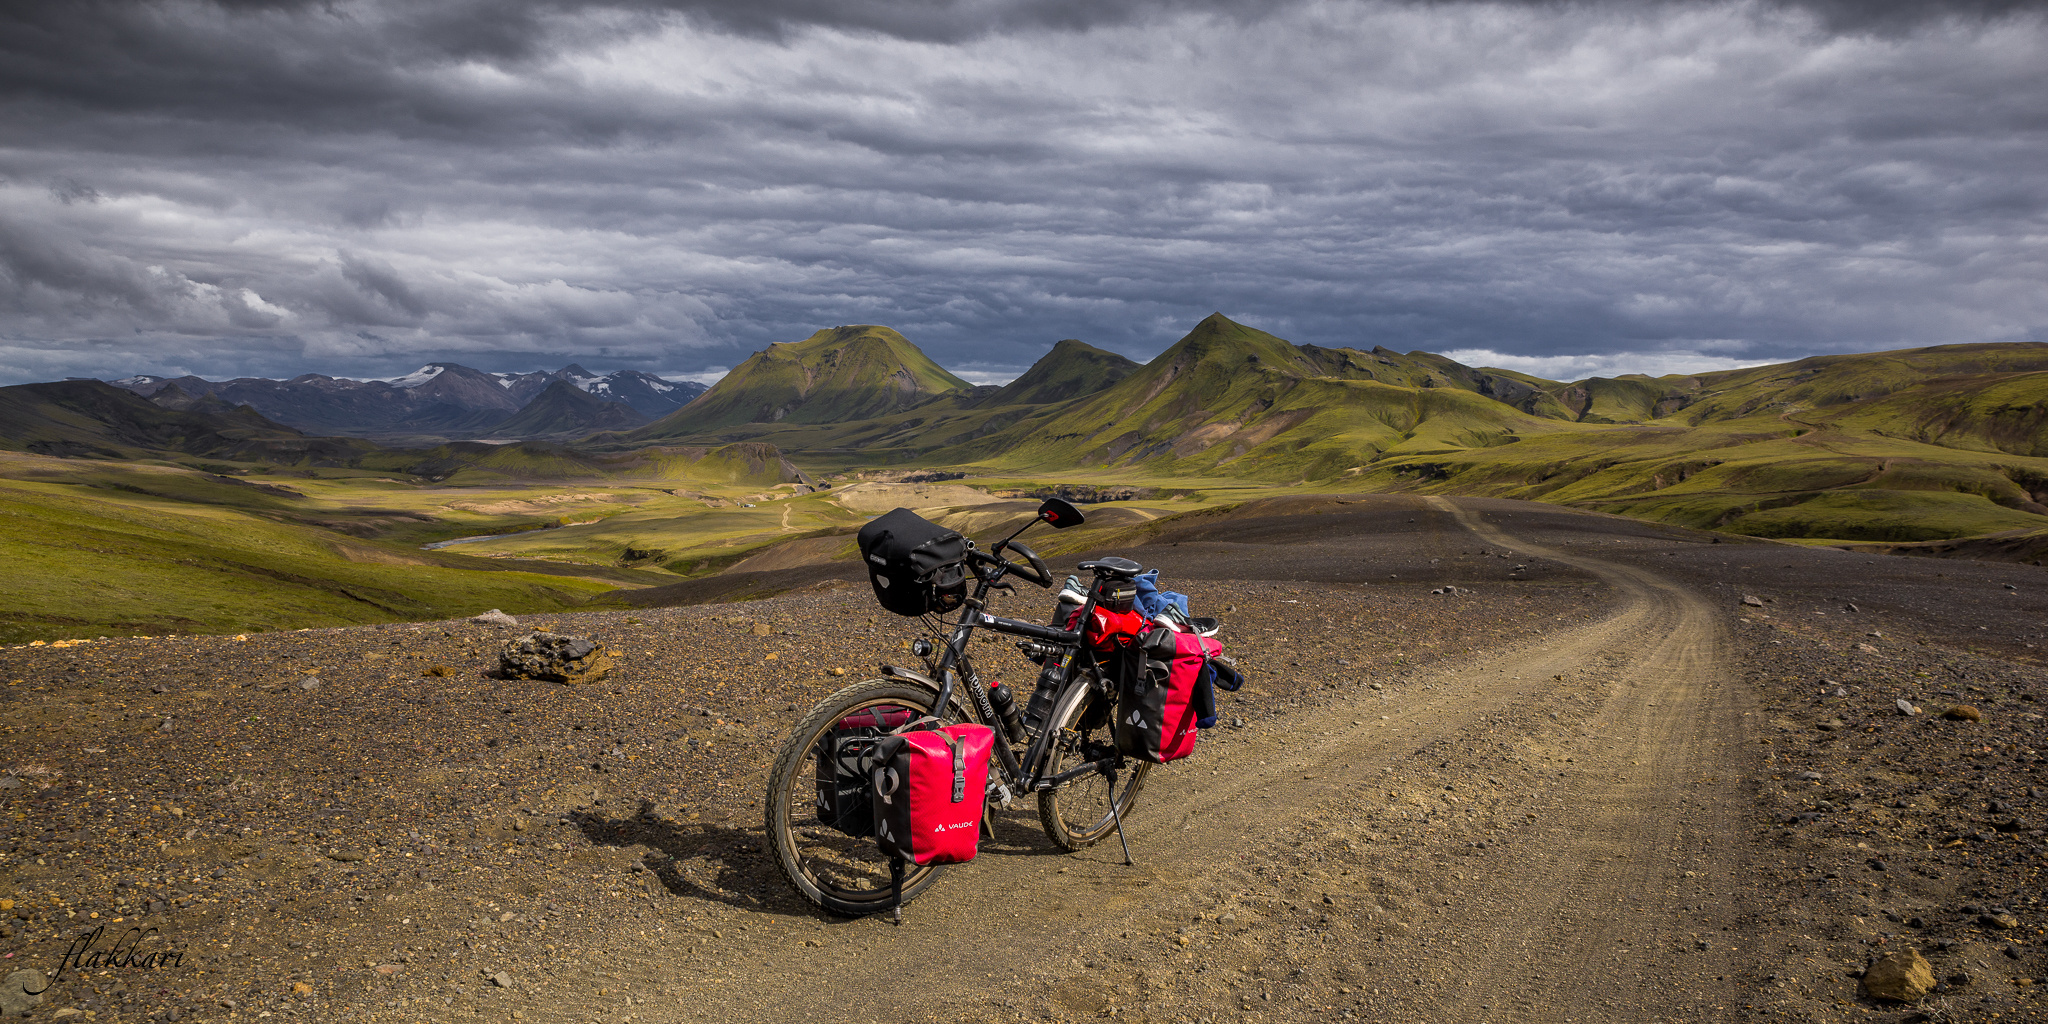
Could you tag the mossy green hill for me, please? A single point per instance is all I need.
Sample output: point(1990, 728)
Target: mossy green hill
point(834, 376)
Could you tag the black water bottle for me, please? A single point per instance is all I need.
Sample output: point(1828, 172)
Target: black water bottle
point(1006, 709)
point(1036, 712)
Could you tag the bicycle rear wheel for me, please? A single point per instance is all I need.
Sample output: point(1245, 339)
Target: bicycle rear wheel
point(1077, 815)
point(835, 863)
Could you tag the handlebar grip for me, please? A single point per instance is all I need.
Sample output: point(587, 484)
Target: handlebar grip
point(1036, 572)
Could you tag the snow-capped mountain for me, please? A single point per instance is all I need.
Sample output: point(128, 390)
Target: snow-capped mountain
point(649, 395)
point(445, 399)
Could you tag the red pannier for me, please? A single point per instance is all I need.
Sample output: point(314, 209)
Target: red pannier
point(1156, 707)
point(929, 788)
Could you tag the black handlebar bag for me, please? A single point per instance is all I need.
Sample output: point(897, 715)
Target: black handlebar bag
point(913, 563)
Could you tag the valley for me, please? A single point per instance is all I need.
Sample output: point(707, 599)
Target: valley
point(763, 478)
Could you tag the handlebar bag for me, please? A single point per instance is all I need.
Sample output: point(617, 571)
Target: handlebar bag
point(845, 792)
point(929, 787)
point(1158, 706)
point(913, 563)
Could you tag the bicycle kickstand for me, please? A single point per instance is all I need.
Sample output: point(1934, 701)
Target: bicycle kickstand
point(896, 888)
point(1117, 816)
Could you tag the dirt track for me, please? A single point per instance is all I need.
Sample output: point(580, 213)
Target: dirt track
point(1588, 894)
point(1555, 796)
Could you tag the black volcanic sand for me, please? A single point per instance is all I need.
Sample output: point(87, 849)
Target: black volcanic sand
point(381, 845)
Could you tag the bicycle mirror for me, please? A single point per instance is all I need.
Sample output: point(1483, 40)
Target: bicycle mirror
point(1060, 513)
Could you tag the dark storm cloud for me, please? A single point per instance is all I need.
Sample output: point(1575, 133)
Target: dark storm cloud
point(361, 186)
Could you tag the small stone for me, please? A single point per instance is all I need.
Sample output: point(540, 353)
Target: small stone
point(1851, 607)
point(347, 856)
point(838, 671)
point(389, 969)
point(494, 617)
point(502, 980)
point(1752, 601)
point(15, 992)
point(1902, 977)
point(1237, 723)
point(1866, 648)
point(763, 629)
point(1963, 713)
point(519, 824)
point(1999, 920)
point(1808, 776)
point(67, 1013)
point(1906, 707)
point(310, 683)
point(1841, 691)
point(1831, 725)
point(300, 988)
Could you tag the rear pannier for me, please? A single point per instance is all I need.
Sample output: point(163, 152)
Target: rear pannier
point(845, 793)
point(929, 787)
point(914, 563)
point(1158, 707)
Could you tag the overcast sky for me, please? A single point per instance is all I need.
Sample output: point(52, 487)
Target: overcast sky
point(354, 187)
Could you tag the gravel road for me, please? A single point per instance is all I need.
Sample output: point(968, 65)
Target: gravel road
point(1590, 783)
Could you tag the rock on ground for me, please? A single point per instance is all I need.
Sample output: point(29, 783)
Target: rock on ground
point(1902, 977)
point(554, 657)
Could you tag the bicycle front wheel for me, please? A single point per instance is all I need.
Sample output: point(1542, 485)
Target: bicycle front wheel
point(1077, 814)
point(821, 828)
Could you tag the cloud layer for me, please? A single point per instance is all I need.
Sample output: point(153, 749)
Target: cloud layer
point(356, 187)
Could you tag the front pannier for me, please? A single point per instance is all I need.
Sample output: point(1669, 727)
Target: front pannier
point(845, 793)
point(1157, 706)
point(914, 563)
point(929, 787)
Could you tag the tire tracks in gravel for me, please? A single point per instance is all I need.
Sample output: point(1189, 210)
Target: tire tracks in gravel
point(1608, 908)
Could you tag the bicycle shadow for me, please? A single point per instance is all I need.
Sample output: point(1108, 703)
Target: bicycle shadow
point(738, 871)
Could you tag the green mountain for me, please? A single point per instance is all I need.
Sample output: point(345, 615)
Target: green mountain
point(1233, 399)
point(1072, 369)
point(836, 375)
point(565, 410)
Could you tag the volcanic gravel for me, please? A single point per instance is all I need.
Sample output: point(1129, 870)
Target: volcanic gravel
point(355, 824)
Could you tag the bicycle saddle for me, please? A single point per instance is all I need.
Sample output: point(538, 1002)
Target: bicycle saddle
point(1113, 566)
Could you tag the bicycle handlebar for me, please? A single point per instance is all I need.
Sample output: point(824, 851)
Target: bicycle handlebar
point(1036, 572)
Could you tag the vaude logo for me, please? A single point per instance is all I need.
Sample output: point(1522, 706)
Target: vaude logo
point(879, 560)
point(958, 824)
point(1135, 719)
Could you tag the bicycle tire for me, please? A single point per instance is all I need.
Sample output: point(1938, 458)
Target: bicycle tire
point(844, 874)
point(1077, 815)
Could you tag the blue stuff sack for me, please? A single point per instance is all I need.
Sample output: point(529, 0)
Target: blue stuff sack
point(1151, 600)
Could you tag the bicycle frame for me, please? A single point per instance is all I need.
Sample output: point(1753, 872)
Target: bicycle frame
point(973, 615)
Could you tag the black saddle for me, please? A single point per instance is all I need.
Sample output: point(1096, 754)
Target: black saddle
point(1123, 568)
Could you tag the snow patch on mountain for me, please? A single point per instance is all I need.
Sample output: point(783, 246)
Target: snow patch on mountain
point(417, 377)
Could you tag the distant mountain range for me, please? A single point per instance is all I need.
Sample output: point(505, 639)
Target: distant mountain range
point(1898, 446)
point(439, 400)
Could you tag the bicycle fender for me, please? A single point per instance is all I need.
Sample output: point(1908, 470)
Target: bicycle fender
point(899, 672)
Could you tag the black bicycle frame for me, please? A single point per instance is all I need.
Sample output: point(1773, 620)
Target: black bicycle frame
point(973, 615)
